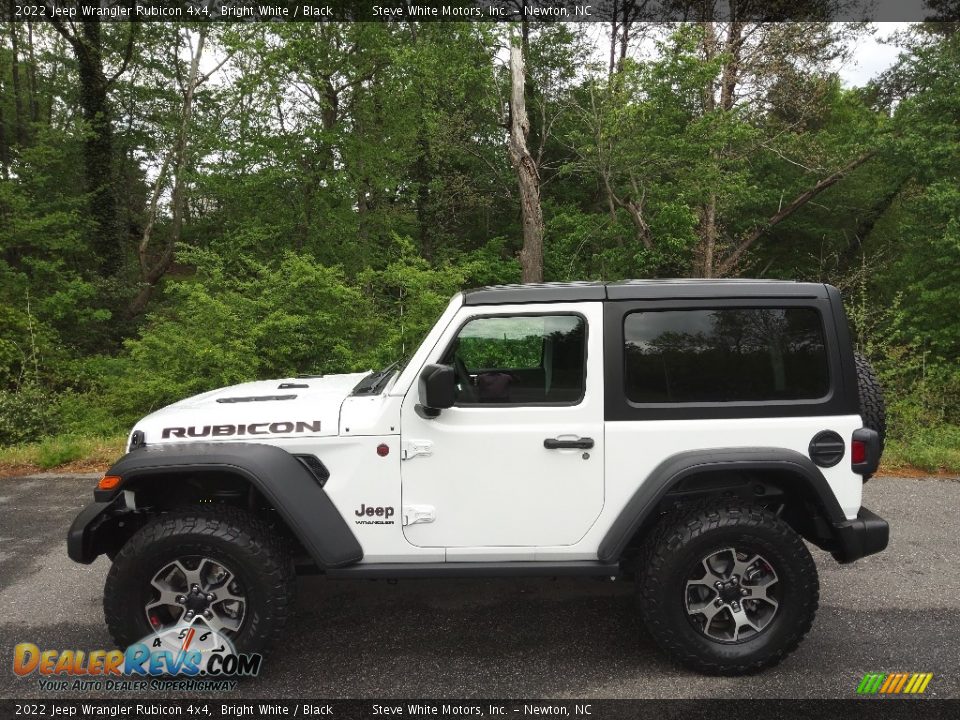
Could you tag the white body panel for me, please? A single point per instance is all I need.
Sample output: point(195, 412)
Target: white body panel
point(634, 449)
point(202, 418)
point(360, 478)
point(491, 480)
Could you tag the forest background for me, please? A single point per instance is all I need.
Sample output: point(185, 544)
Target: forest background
point(189, 206)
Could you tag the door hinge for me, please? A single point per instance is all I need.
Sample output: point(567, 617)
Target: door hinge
point(412, 448)
point(413, 514)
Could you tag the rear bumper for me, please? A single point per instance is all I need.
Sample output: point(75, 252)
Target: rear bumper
point(866, 535)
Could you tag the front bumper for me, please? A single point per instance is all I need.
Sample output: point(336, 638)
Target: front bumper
point(84, 542)
point(866, 535)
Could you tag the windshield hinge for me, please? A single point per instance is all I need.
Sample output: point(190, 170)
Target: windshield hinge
point(413, 514)
point(412, 448)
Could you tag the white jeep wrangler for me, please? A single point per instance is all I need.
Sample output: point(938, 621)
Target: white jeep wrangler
point(688, 435)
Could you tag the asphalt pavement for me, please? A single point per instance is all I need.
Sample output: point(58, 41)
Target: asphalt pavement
point(539, 638)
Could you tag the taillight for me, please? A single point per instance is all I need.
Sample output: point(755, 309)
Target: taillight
point(858, 452)
point(864, 452)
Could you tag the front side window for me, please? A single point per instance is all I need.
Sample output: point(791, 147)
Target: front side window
point(522, 359)
point(725, 355)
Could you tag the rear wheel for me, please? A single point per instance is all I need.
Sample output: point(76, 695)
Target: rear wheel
point(727, 589)
point(216, 567)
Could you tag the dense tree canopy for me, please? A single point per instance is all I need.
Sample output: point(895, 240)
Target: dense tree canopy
point(184, 206)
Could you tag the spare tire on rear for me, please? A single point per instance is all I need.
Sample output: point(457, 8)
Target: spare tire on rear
point(873, 410)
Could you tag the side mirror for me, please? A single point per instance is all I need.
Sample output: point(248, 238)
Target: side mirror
point(438, 388)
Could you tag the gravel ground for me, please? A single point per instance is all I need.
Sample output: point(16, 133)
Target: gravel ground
point(565, 638)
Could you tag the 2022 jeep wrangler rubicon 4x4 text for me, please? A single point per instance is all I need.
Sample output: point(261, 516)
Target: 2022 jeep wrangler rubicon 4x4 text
point(689, 435)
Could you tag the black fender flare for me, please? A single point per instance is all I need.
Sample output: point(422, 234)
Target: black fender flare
point(675, 468)
point(282, 479)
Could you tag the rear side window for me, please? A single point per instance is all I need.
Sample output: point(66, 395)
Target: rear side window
point(725, 355)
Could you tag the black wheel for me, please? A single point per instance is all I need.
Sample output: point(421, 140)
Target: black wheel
point(872, 405)
point(218, 567)
point(727, 589)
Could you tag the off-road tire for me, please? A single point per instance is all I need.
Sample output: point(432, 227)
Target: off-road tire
point(683, 539)
point(873, 409)
point(226, 534)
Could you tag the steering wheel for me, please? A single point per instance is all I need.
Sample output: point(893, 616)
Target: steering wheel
point(467, 391)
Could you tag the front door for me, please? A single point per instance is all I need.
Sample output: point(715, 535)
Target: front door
point(518, 460)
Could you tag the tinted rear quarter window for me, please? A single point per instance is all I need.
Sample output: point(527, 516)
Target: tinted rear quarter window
point(725, 355)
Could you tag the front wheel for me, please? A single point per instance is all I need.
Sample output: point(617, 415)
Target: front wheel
point(727, 589)
point(217, 567)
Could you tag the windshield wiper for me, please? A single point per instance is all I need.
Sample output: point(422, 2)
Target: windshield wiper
point(374, 381)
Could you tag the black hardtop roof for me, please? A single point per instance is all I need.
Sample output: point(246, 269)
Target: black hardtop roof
point(668, 289)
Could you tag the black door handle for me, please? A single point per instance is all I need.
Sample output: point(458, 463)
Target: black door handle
point(578, 444)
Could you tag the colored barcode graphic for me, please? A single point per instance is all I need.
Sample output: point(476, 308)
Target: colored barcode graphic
point(894, 683)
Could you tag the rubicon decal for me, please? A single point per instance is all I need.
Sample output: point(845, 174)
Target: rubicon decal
point(898, 683)
point(286, 427)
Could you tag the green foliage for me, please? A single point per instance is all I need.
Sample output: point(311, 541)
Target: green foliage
point(27, 413)
point(342, 181)
point(52, 452)
point(511, 343)
point(905, 313)
point(65, 449)
point(514, 354)
point(922, 397)
point(927, 262)
point(238, 320)
point(933, 449)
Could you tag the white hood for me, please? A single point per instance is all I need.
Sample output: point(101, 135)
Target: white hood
point(261, 410)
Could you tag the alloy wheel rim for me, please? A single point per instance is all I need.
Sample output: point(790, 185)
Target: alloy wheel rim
point(732, 595)
point(195, 589)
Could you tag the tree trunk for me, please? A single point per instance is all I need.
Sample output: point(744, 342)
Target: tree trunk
point(177, 157)
point(59, 51)
point(105, 238)
point(709, 224)
point(20, 130)
point(422, 176)
point(730, 262)
point(613, 38)
point(729, 77)
point(4, 143)
point(98, 153)
point(32, 76)
point(868, 221)
point(731, 68)
point(528, 179)
point(624, 15)
point(708, 211)
point(709, 52)
point(628, 8)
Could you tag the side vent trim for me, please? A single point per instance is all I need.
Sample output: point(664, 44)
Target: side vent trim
point(316, 468)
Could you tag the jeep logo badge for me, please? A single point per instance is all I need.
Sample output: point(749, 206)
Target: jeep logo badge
point(369, 511)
